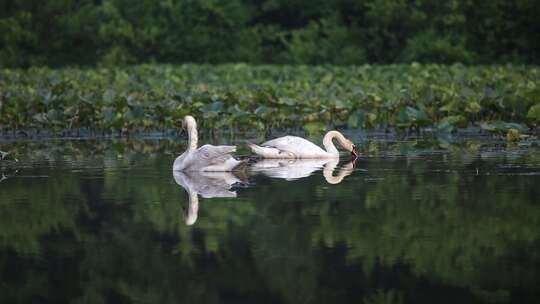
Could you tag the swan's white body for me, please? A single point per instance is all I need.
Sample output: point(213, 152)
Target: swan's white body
point(291, 169)
point(205, 158)
point(290, 147)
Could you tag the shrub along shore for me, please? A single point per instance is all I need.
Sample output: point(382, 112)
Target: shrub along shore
point(344, 32)
point(503, 99)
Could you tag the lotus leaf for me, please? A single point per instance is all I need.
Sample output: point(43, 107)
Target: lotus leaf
point(534, 112)
point(261, 97)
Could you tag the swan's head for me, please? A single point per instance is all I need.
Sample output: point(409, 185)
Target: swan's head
point(354, 151)
point(188, 122)
point(351, 147)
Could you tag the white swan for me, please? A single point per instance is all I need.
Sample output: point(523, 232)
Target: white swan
point(297, 147)
point(207, 185)
point(292, 169)
point(205, 158)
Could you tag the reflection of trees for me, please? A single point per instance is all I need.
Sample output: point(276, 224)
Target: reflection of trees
point(115, 232)
point(33, 206)
point(443, 225)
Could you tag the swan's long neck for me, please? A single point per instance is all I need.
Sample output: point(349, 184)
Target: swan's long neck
point(192, 135)
point(329, 144)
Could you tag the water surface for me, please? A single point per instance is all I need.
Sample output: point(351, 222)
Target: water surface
point(416, 221)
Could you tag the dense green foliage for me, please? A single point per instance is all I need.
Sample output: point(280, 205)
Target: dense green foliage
point(242, 97)
point(116, 32)
point(97, 221)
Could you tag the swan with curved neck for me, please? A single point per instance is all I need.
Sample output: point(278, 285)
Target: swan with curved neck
point(298, 147)
point(205, 158)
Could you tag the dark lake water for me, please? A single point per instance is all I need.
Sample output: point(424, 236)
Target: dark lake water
point(416, 221)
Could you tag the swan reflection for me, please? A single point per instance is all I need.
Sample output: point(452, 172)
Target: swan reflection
point(292, 169)
point(207, 185)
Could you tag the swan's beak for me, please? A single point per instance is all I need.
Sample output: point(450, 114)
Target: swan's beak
point(355, 152)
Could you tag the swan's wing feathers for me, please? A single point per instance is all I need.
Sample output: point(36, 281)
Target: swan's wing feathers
point(216, 150)
point(293, 144)
point(281, 142)
point(210, 154)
